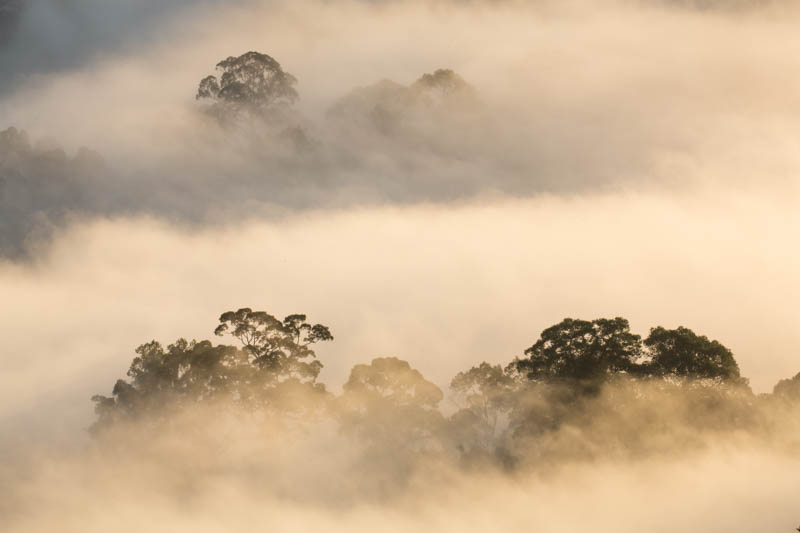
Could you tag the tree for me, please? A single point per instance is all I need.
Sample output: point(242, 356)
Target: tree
point(394, 110)
point(391, 403)
point(281, 347)
point(269, 372)
point(443, 85)
point(184, 373)
point(788, 389)
point(40, 186)
point(680, 352)
point(252, 82)
point(485, 392)
point(581, 350)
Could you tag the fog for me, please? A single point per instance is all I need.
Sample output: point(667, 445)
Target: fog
point(231, 472)
point(568, 99)
point(600, 159)
point(443, 289)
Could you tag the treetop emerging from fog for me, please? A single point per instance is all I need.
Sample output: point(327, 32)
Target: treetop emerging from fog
point(252, 82)
point(591, 350)
point(266, 153)
point(390, 405)
point(280, 347)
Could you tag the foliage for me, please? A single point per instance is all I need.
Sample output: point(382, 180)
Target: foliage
point(443, 85)
point(628, 417)
point(280, 347)
point(585, 388)
point(268, 373)
point(581, 350)
point(788, 389)
point(389, 401)
point(252, 82)
point(184, 372)
point(40, 185)
point(681, 352)
point(399, 111)
point(486, 393)
point(592, 351)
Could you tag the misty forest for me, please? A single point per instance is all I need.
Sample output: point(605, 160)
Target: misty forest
point(583, 389)
point(547, 250)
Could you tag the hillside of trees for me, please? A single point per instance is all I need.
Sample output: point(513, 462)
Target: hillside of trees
point(431, 140)
point(258, 147)
point(584, 389)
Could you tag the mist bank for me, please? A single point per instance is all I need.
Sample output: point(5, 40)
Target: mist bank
point(736, 492)
point(443, 288)
point(570, 100)
point(203, 434)
point(437, 203)
point(208, 468)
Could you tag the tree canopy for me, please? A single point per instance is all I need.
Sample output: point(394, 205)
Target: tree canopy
point(485, 391)
point(40, 185)
point(582, 386)
point(788, 389)
point(388, 400)
point(485, 395)
point(283, 348)
point(400, 111)
point(681, 352)
point(582, 350)
point(595, 350)
point(271, 371)
point(443, 85)
point(252, 82)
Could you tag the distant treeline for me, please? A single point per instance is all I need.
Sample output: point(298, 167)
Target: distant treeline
point(260, 149)
point(434, 139)
point(583, 389)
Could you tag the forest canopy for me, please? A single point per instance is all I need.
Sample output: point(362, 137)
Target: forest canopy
point(436, 211)
point(257, 146)
point(589, 375)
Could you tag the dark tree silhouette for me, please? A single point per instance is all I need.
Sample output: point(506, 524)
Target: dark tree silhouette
point(270, 372)
point(281, 347)
point(581, 391)
point(252, 82)
point(581, 350)
point(186, 372)
point(681, 352)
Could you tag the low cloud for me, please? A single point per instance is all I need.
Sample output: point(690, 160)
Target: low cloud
point(440, 199)
point(594, 100)
point(442, 288)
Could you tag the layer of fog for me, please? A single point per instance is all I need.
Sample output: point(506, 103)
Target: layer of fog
point(571, 99)
point(209, 472)
point(441, 288)
point(658, 146)
point(731, 493)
